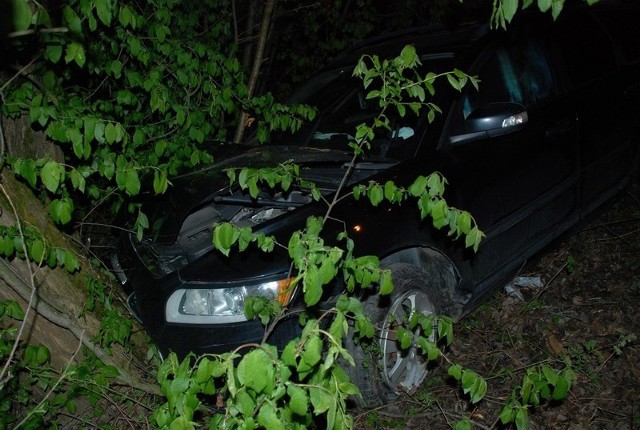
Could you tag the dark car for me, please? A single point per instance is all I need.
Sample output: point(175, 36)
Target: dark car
point(550, 136)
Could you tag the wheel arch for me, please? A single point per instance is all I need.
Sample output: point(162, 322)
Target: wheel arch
point(441, 270)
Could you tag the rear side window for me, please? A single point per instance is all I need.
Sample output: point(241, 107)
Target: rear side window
point(622, 27)
point(584, 47)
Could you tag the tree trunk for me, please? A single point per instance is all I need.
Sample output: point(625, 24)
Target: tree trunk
point(257, 63)
point(58, 318)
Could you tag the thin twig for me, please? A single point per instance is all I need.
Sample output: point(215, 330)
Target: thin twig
point(37, 30)
point(32, 296)
point(6, 84)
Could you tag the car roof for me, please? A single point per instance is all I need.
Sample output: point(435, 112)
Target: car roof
point(428, 40)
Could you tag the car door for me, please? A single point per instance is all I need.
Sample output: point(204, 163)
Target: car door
point(519, 182)
point(606, 95)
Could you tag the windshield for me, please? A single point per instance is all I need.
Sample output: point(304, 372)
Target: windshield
point(342, 105)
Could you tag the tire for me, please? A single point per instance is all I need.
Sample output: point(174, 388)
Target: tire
point(382, 377)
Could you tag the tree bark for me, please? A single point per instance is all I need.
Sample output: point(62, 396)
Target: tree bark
point(58, 318)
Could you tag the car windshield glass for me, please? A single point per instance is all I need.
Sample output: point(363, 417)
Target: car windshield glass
point(342, 105)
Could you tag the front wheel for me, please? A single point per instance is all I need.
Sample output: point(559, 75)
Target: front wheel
point(384, 370)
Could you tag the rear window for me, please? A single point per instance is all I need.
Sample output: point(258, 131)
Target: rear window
point(622, 27)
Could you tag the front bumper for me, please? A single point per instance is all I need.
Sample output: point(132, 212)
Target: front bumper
point(149, 298)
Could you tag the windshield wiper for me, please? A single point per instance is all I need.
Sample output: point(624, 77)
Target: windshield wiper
point(261, 200)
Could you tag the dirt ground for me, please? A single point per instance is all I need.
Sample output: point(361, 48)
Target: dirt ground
point(585, 314)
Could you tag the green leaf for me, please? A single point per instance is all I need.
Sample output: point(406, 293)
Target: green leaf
point(51, 175)
point(54, 53)
point(36, 251)
point(7, 246)
point(473, 239)
point(139, 138)
point(386, 282)
point(99, 132)
point(27, 169)
point(463, 425)
point(218, 368)
point(72, 20)
point(312, 286)
point(179, 385)
point(507, 415)
point(478, 390)
point(321, 399)
point(110, 133)
point(71, 263)
point(104, 10)
point(125, 17)
point(375, 194)
point(313, 351)
point(224, 236)
point(453, 81)
point(71, 407)
point(561, 389)
point(132, 182)
point(455, 371)
point(142, 220)
point(255, 369)
point(75, 52)
point(298, 400)
point(61, 210)
point(418, 187)
point(405, 337)
point(549, 374)
point(42, 355)
point(244, 403)
point(89, 130)
point(409, 56)
point(21, 14)
point(204, 370)
point(509, 9)
point(268, 418)
point(429, 348)
point(14, 310)
point(463, 222)
point(556, 8)
point(116, 68)
point(160, 181)
point(544, 5)
point(522, 419)
point(289, 353)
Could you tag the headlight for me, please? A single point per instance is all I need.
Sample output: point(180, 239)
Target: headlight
point(221, 305)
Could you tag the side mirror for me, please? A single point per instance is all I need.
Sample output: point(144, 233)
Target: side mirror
point(494, 119)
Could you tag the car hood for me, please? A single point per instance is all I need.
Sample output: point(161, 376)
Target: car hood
point(194, 189)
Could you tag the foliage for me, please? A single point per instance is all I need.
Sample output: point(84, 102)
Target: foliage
point(263, 388)
point(135, 92)
point(132, 93)
point(539, 384)
point(505, 10)
point(14, 243)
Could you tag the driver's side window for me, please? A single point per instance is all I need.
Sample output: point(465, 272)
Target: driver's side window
point(516, 71)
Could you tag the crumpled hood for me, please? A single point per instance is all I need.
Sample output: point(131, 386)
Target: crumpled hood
point(191, 190)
